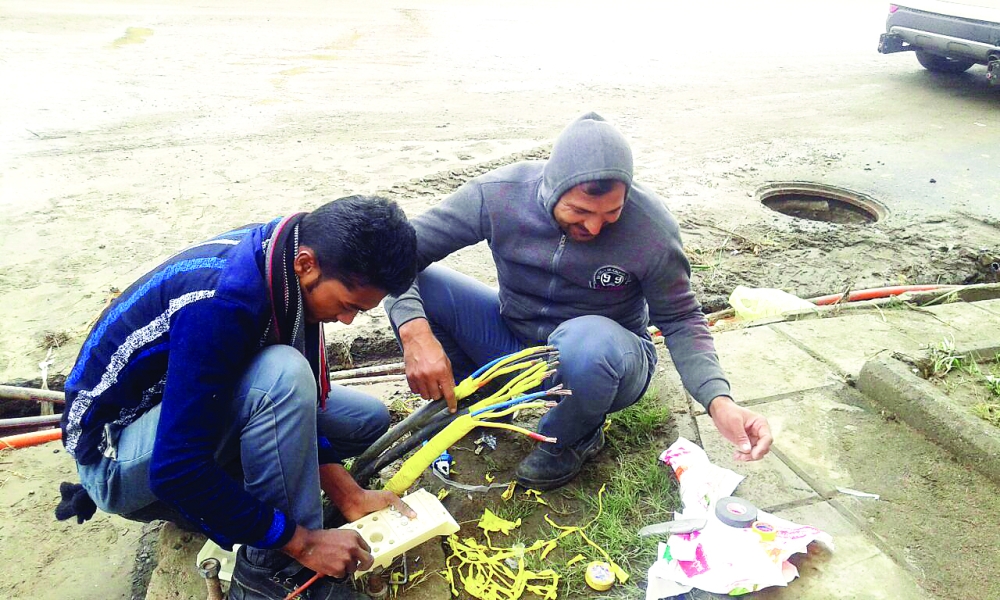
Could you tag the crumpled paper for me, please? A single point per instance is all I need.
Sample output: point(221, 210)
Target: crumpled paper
point(721, 559)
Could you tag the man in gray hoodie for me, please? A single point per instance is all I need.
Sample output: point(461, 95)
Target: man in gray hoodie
point(586, 259)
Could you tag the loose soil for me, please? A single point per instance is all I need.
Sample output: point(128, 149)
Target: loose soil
point(51, 560)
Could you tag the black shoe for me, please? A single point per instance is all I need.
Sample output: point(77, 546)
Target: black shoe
point(276, 576)
point(549, 467)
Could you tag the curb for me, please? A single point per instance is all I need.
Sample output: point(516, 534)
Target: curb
point(891, 384)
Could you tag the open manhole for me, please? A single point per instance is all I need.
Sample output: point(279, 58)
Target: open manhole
point(817, 202)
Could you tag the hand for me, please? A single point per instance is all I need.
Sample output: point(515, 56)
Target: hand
point(333, 552)
point(368, 501)
point(746, 429)
point(428, 369)
point(351, 499)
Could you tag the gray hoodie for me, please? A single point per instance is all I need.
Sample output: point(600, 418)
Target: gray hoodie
point(634, 272)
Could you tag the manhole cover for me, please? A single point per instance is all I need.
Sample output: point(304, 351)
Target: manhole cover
point(817, 202)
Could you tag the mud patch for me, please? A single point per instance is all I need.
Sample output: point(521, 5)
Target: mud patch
point(145, 559)
point(814, 259)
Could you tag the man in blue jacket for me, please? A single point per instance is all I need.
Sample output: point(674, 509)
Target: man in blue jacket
point(586, 259)
point(217, 357)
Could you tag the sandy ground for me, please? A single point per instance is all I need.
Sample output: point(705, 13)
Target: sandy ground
point(132, 129)
point(51, 559)
point(129, 129)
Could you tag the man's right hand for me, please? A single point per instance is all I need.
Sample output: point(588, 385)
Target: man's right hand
point(428, 369)
point(333, 552)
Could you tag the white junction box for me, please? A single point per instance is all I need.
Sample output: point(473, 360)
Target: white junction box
point(227, 559)
point(388, 532)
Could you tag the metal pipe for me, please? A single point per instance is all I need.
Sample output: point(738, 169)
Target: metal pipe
point(13, 392)
point(369, 380)
point(24, 424)
point(29, 421)
point(390, 369)
point(209, 570)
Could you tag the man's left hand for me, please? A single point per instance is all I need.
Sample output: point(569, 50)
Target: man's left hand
point(352, 500)
point(368, 501)
point(743, 427)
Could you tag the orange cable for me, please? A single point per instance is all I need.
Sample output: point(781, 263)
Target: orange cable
point(303, 587)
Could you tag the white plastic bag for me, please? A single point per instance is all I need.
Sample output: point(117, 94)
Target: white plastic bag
point(758, 303)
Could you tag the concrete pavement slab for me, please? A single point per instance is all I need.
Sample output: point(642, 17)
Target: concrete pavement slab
point(992, 306)
point(938, 517)
point(769, 482)
point(848, 342)
point(761, 363)
point(968, 322)
point(855, 569)
point(891, 384)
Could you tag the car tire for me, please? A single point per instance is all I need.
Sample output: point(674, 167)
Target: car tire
point(943, 64)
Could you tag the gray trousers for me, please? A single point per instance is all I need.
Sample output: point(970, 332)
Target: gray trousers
point(271, 433)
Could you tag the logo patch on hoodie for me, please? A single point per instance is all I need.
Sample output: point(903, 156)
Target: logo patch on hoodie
point(610, 277)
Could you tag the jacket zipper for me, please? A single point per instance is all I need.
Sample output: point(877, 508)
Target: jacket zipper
point(555, 264)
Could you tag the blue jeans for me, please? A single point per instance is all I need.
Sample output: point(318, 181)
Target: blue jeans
point(607, 366)
point(272, 433)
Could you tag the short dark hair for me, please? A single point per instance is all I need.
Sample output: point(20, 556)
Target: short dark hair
point(598, 187)
point(363, 241)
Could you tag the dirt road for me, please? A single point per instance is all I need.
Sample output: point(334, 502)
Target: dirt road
point(129, 129)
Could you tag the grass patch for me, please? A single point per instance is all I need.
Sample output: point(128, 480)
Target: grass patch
point(637, 425)
point(943, 359)
point(641, 491)
point(515, 508)
point(988, 411)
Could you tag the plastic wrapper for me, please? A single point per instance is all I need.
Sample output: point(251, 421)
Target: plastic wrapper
point(719, 558)
point(759, 303)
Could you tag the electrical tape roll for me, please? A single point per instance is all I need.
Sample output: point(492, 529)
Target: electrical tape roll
point(766, 531)
point(735, 512)
point(599, 576)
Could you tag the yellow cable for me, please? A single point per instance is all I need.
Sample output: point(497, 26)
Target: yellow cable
point(411, 469)
point(506, 426)
point(513, 358)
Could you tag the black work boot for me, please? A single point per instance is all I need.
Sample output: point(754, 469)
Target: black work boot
point(272, 575)
point(549, 466)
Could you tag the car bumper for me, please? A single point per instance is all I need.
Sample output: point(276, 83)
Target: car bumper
point(909, 29)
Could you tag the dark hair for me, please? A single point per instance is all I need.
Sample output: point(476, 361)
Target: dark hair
point(363, 241)
point(598, 187)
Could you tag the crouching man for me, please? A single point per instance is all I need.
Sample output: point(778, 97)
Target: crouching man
point(216, 358)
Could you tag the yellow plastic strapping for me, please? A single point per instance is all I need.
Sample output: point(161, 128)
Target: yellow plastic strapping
point(483, 572)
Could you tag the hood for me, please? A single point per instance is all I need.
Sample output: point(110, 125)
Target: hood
point(589, 148)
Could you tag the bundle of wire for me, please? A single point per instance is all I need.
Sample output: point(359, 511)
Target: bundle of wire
point(439, 428)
